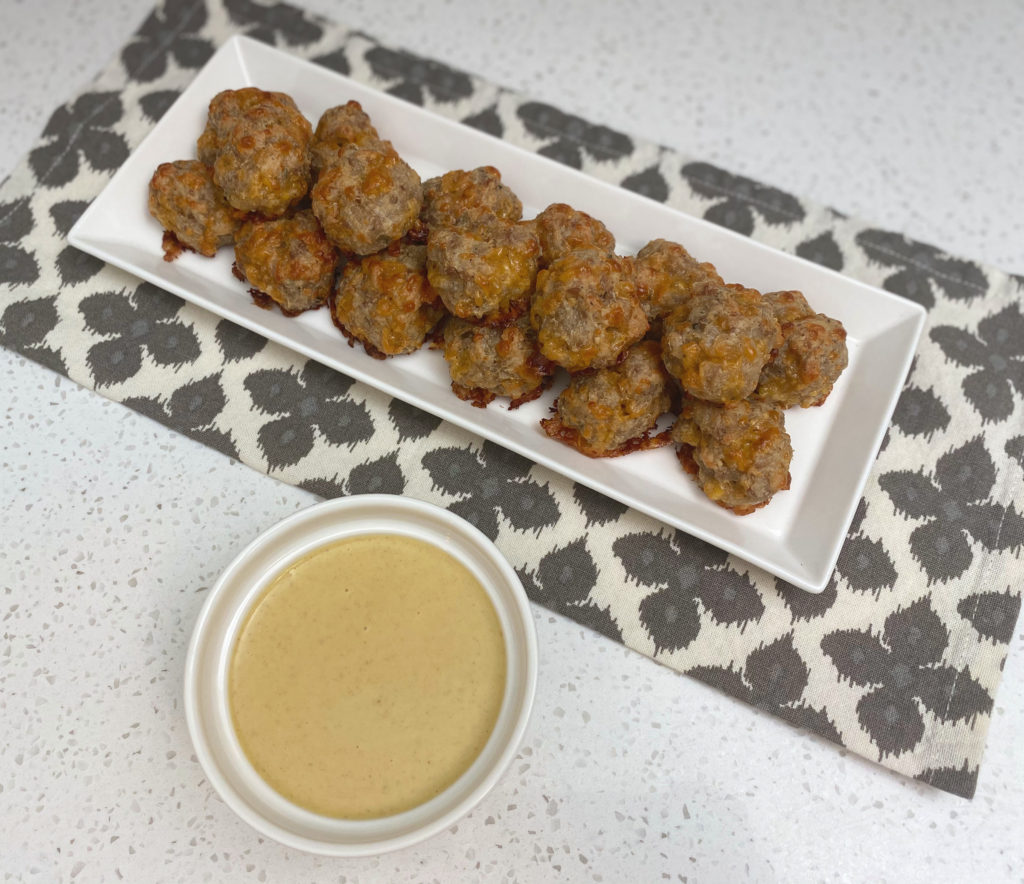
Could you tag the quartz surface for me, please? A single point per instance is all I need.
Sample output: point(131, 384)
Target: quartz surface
point(114, 527)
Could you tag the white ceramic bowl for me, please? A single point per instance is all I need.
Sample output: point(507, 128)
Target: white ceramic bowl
point(222, 616)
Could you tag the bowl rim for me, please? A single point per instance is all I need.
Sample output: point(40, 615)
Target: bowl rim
point(226, 607)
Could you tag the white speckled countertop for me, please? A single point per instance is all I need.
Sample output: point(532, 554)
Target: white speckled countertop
point(113, 527)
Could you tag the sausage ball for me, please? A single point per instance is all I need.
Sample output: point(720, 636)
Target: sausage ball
point(812, 356)
point(585, 310)
point(339, 127)
point(718, 341)
point(289, 260)
point(484, 274)
point(186, 202)
point(563, 229)
point(739, 452)
point(788, 306)
point(258, 145)
point(486, 361)
point(385, 302)
point(469, 199)
point(367, 199)
point(667, 275)
point(601, 412)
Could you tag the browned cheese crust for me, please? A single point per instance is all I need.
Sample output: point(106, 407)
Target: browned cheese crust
point(289, 260)
point(718, 341)
point(186, 202)
point(484, 274)
point(740, 452)
point(667, 275)
point(258, 145)
point(386, 302)
point(563, 229)
point(367, 199)
point(486, 361)
point(339, 127)
point(788, 306)
point(609, 408)
point(471, 198)
point(585, 310)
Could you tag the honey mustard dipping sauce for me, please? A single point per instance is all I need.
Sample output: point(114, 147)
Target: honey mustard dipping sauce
point(368, 676)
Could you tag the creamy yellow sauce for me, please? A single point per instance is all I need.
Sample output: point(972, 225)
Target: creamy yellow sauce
point(368, 676)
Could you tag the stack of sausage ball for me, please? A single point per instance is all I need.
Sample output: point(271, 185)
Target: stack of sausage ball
point(335, 216)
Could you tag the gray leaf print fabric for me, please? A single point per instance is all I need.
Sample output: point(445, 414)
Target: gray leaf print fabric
point(302, 406)
point(995, 357)
point(921, 270)
point(898, 659)
point(492, 483)
point(132, 326)
point(955, 508)
point(81, 132)
point(774, 677)
point(903, 667)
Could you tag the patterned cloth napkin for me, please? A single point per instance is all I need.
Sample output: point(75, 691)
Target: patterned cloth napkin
point(898, 659)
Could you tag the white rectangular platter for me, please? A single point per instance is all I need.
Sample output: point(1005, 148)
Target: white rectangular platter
point(797, 537)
